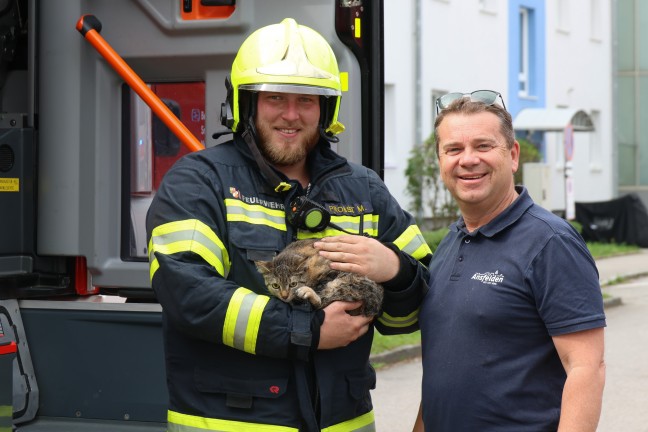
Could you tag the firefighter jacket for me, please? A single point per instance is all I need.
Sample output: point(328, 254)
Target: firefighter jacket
point(238, 359)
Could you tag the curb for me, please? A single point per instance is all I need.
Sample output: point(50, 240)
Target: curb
point(396, 355)
point(612, 301)
point(621, 278)
point(617, 301)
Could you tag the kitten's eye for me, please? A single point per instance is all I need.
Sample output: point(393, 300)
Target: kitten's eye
point(293, 284)
point(274, 285)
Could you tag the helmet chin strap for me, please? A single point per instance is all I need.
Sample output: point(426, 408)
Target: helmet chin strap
point(327, 137)
point(249, 136)
point(324, 115)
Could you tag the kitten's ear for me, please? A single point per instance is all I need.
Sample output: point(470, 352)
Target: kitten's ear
point(263, 266)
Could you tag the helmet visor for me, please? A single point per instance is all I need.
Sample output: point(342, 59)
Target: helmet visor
point(291, 88)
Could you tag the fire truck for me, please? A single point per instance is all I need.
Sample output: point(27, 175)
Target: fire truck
point(82, 151)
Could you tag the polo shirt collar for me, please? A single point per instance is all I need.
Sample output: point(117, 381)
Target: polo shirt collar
point(509, 216)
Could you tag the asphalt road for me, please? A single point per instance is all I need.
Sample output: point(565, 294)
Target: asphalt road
point(625, 400)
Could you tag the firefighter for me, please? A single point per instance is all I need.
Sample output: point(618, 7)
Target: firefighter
point(238, 359)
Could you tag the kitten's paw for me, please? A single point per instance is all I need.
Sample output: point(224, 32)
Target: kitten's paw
point(307, 293)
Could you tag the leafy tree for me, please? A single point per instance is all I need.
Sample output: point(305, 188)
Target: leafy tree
point(424, 185)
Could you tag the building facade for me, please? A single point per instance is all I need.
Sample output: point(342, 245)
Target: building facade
point(630, 63)
point(550, 60)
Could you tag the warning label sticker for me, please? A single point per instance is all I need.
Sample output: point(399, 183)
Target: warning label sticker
point(9, 185)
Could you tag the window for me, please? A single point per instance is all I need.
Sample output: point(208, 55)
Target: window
point(595, 142)
point(488, 6)
point(523, 67)
point(150, 149)
point(390, 158)
point(562, 16)
point(436, 94)
point(595, 20)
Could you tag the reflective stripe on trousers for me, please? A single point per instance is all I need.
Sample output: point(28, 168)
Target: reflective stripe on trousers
point(178, 422)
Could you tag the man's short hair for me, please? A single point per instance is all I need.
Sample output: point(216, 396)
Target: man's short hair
point(466, 106)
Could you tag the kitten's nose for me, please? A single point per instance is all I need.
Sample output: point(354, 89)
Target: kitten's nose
point(284, 295)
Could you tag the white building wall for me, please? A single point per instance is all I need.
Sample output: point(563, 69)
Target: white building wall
point(400, 99)
point(464, 47)
point(579, 76)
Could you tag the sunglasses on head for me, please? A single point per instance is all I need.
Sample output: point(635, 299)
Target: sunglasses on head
point(488, 97)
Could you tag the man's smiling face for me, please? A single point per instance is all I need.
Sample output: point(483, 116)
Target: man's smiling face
point(476, 165)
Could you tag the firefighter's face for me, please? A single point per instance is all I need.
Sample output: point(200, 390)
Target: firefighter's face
point(287, 125)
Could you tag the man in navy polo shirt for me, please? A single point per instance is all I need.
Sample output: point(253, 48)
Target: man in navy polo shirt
point(512, 327)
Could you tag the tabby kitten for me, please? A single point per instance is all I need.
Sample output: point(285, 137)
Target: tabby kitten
point(299, 273)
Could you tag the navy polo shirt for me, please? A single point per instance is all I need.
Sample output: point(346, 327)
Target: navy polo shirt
point(497, 296)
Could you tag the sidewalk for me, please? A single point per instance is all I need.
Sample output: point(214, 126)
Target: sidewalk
point(610, 269)
point(615, 268)
point(623, 266)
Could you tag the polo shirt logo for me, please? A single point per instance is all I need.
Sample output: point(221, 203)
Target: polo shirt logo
point(489, 278)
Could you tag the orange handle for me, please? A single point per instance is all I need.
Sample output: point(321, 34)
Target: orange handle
point(89, 26)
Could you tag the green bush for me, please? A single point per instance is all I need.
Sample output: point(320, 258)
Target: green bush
point(577, 226)
point(433, 238)
point(528, 153)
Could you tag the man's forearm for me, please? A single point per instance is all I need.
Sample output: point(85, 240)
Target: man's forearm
point(582, 400)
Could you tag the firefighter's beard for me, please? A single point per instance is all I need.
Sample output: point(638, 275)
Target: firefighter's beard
point(279, 152)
